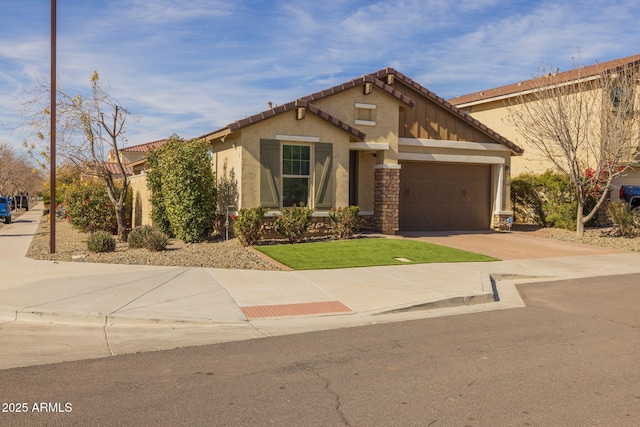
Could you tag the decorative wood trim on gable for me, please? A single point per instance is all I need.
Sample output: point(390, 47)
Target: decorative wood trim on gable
point(384, 73)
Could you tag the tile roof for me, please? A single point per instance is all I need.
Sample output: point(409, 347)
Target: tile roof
point(140, 148)
point(567, 76)
point(376, 80)
point(145, 147)
point(448, 106)
point(298, 103)
point(305, 102)
point(115, 169)
point(389, 90)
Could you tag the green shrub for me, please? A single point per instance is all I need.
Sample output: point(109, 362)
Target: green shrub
point(101, 241)
point(149, 238)
point(526, 199)
point(623, 218)
point(293, 223)
point(247, 227)
point(345, 222)
point(88, 207)
point(562, 215)
point(547, 199)
point(183, 189)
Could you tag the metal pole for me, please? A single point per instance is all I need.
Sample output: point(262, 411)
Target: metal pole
point(52, 174)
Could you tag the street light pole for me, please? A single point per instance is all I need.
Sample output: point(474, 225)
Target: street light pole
point(52, 173)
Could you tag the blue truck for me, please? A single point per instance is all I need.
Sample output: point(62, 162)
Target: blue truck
point(631, 195)
point(5, 209)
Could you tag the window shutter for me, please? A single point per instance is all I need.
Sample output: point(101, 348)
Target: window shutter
point(323, 176)
point(270, 173)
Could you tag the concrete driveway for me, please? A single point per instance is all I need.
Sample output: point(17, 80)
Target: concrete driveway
point(507, 245)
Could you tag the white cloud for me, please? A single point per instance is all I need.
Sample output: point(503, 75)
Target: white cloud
point(169, 11)
point(190, 66)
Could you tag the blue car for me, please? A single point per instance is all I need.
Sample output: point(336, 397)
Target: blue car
point(5, 209)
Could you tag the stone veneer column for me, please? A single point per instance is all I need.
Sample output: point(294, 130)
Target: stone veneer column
point(386, 199)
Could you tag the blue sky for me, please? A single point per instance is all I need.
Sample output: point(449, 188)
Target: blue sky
point(192, 66)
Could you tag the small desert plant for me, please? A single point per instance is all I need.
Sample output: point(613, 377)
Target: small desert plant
point(101, 241)
point(156, 241)
point(247, 227)
point(148, 237)
point(623, 218)
point(293, 222)
point(138, 234)
point(345, 221)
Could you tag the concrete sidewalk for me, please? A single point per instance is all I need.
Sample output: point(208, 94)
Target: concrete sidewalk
point(71, 310)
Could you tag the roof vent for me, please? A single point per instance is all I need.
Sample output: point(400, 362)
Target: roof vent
point(300, 112)
point(367, 88)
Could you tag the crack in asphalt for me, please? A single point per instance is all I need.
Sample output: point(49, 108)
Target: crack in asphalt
point(327, 386)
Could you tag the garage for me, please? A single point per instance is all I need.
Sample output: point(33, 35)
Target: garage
point(444, 196)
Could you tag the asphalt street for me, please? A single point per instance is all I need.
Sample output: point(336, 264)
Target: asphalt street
point(570, 357)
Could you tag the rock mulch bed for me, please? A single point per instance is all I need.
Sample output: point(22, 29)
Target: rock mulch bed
point(592, 236)
point(71, 245)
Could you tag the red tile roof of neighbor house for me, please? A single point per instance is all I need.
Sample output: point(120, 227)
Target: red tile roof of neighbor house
point(448, 106)
point(567, 76)
point(145, 147)
point(114, 169)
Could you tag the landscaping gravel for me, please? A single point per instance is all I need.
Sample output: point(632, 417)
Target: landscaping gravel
point(601, 237)
point(71, 245)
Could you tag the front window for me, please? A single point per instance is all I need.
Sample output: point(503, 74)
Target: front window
point(296, 174)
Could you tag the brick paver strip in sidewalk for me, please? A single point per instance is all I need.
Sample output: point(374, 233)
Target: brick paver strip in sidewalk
point(301, 309)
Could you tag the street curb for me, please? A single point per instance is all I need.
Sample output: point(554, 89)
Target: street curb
point(489, 295)
point(8, 315)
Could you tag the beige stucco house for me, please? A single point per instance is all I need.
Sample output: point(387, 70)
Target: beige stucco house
point(409, 159)
point(493, 107)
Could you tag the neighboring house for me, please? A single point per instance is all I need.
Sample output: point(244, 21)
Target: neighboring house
point(407, 157)
point(135, 156)
point(493, 106)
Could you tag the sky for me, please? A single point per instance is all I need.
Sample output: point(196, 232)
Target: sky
point(190, 67)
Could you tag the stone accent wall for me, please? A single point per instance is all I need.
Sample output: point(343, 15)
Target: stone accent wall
point(501, 220)
point(367, 223)
point(386, 200)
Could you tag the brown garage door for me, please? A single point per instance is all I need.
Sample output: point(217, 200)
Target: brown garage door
point(444, 196)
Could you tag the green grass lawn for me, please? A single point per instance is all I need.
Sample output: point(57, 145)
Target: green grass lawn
point(365, 253)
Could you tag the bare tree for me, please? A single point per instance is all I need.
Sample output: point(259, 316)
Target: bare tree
point(7, 166)
point(586, 125)
point(87, 129)
point(17, 174)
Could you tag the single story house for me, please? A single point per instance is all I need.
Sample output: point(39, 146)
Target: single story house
point(409, 159)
